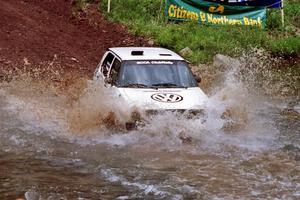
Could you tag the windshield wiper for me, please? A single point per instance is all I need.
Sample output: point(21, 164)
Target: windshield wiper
point(171, 85)
point(135, 85)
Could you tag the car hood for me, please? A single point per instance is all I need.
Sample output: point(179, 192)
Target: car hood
point(168, 98)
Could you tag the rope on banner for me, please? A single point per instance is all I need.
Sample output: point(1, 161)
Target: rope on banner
point(271, 5)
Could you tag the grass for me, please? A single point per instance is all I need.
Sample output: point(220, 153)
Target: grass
point(145, 17)
point(288, 47)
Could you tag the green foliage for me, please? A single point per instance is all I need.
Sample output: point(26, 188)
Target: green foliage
point(292, 10)
point(145, 18)
point(274, 19)
point(286, 47)
point(291, 14)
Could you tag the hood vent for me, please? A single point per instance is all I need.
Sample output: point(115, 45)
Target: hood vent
point(137, 53)
point(165, 54)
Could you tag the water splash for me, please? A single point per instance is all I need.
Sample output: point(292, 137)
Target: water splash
point(96, 107)
point(97, 115)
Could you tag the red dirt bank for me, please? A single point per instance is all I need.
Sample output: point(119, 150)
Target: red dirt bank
point(36, 31)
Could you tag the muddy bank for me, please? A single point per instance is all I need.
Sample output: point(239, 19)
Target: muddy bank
point(51, 38)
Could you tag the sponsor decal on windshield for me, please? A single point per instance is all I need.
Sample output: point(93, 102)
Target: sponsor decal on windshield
point(160, 62)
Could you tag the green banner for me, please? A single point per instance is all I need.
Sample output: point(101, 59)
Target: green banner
point(213, 13)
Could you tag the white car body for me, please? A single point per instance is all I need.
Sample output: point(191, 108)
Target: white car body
point(149, 98)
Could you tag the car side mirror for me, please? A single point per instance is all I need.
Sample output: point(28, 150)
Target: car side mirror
point(198, 79)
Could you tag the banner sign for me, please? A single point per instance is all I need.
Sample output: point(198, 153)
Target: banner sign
point(264, 3)
point(213, 13)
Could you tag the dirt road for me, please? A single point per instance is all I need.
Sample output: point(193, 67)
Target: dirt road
point(35, 32)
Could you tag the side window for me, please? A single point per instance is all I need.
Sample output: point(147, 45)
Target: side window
point(115, 71)
point(107, 63)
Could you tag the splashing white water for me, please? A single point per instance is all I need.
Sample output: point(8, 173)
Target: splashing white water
point(233, 118)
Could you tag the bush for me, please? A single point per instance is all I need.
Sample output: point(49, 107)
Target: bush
point(286, 47)
point(292, 11)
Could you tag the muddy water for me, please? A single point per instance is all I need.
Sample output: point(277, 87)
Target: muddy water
point(62, 145)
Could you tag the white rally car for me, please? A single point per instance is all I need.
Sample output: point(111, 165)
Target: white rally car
point(151, 79)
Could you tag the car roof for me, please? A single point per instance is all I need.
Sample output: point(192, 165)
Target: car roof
point(148, 53)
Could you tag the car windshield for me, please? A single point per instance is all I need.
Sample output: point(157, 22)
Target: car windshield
point(155, 74)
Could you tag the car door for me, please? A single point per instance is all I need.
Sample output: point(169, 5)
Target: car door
point(104, 66)
point(114, 72)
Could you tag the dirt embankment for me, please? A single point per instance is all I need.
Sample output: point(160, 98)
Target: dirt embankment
point(49, 36)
